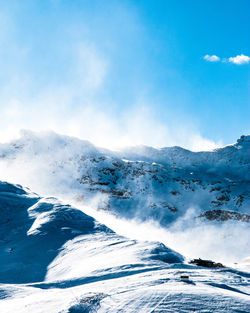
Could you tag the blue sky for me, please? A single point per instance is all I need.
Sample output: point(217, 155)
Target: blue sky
point(126, 72)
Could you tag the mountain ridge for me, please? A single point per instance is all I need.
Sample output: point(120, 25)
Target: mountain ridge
point(160, 185)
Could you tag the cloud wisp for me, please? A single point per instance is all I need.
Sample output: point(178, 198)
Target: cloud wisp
point(211, 58)
point(238, 59)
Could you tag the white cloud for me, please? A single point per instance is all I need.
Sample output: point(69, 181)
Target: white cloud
point(211, 58)
point(239, 59)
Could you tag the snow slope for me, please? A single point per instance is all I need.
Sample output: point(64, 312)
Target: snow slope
point(55, 258)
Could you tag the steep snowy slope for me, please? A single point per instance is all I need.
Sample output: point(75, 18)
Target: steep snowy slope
point(54, 258)
point(34, 229)
point(141, 182)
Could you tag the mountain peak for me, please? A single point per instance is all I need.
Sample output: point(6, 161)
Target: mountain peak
point(243, 138)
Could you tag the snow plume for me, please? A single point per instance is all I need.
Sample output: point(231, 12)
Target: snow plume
point(39, 157)
point(226, 243)
point(135, 126)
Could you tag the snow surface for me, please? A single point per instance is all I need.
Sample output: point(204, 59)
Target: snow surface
point(55, 258)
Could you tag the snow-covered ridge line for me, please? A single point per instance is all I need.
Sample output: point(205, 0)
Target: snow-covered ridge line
point(49, 136)
point(39, 143)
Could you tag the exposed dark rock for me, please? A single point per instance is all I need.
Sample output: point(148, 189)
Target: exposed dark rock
point(223, 198)
point(175, 193)
point(206, 263)
point(225, 215)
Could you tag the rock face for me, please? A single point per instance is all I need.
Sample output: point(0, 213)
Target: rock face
point(140, 182)
point(224, 215)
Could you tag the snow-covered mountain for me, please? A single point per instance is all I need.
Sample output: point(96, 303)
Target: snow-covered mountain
point(140, 182)
point(55, 258)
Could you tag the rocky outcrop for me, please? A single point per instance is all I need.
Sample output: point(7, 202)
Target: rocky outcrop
point(225, 215)
point(206, 263)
